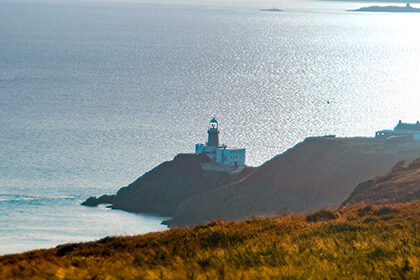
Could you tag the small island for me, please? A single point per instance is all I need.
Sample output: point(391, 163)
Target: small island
point(388, 9)
point(272, 10)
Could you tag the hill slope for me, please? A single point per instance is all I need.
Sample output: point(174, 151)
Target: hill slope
point(160, 190)
point(401, 184)
point(319, 172)
point(378, 242)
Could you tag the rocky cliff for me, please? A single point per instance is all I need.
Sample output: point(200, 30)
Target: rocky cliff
point(400, 185)
point(319, 172)
point(160, 190)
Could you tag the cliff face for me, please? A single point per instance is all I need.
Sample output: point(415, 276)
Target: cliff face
point(319, 172)
point(401, 184)
point(160, 190)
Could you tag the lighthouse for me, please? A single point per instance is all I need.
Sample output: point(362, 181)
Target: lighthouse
point(220, 155)
point(213, 132)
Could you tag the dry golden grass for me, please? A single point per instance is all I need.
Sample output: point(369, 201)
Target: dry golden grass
point(364, 242)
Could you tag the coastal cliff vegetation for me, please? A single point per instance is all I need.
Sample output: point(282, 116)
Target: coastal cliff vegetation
point(358, 242)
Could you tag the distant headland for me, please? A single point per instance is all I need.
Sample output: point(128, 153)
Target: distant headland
point(388, 9)
point(214, 182)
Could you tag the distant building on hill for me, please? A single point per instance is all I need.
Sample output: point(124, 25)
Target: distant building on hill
point(221, 154)
point(411, 130)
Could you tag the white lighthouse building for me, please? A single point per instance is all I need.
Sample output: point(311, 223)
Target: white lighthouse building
point(220, 154)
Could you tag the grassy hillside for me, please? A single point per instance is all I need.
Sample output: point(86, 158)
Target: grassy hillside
point(401, 184)
point(364, 242)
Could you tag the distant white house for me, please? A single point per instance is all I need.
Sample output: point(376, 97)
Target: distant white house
point(411, 130)
point(221, 154)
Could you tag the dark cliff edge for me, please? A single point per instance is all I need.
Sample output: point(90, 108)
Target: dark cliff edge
point(400, 185)
point(160, 190)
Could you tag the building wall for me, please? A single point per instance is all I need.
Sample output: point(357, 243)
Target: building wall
point(416, 134)
point(210, 150)
point(230, 157)
point(398, 132)
point(201, 148)
point(222, 155)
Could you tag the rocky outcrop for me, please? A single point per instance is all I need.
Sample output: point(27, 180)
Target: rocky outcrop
point(160, 190)
point(319, 172)
point(400, 185)
point(94, 201)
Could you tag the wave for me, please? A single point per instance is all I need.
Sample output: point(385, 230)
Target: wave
point(19, 197)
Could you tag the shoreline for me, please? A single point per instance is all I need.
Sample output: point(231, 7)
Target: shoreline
point(87, 224)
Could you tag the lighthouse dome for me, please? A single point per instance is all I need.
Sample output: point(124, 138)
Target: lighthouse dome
point(213, 123)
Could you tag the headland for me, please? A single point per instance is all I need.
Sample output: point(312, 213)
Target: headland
point(318, 172)
point(388, 9)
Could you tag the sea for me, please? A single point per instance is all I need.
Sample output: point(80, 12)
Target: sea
point(94, 93)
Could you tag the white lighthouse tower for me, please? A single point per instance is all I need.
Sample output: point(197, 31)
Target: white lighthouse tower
point(221, 155)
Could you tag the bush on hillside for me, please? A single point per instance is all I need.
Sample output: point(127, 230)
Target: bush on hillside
point(322, 215)
point(385, 211)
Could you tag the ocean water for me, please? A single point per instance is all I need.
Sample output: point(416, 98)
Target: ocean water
point(95, 93)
